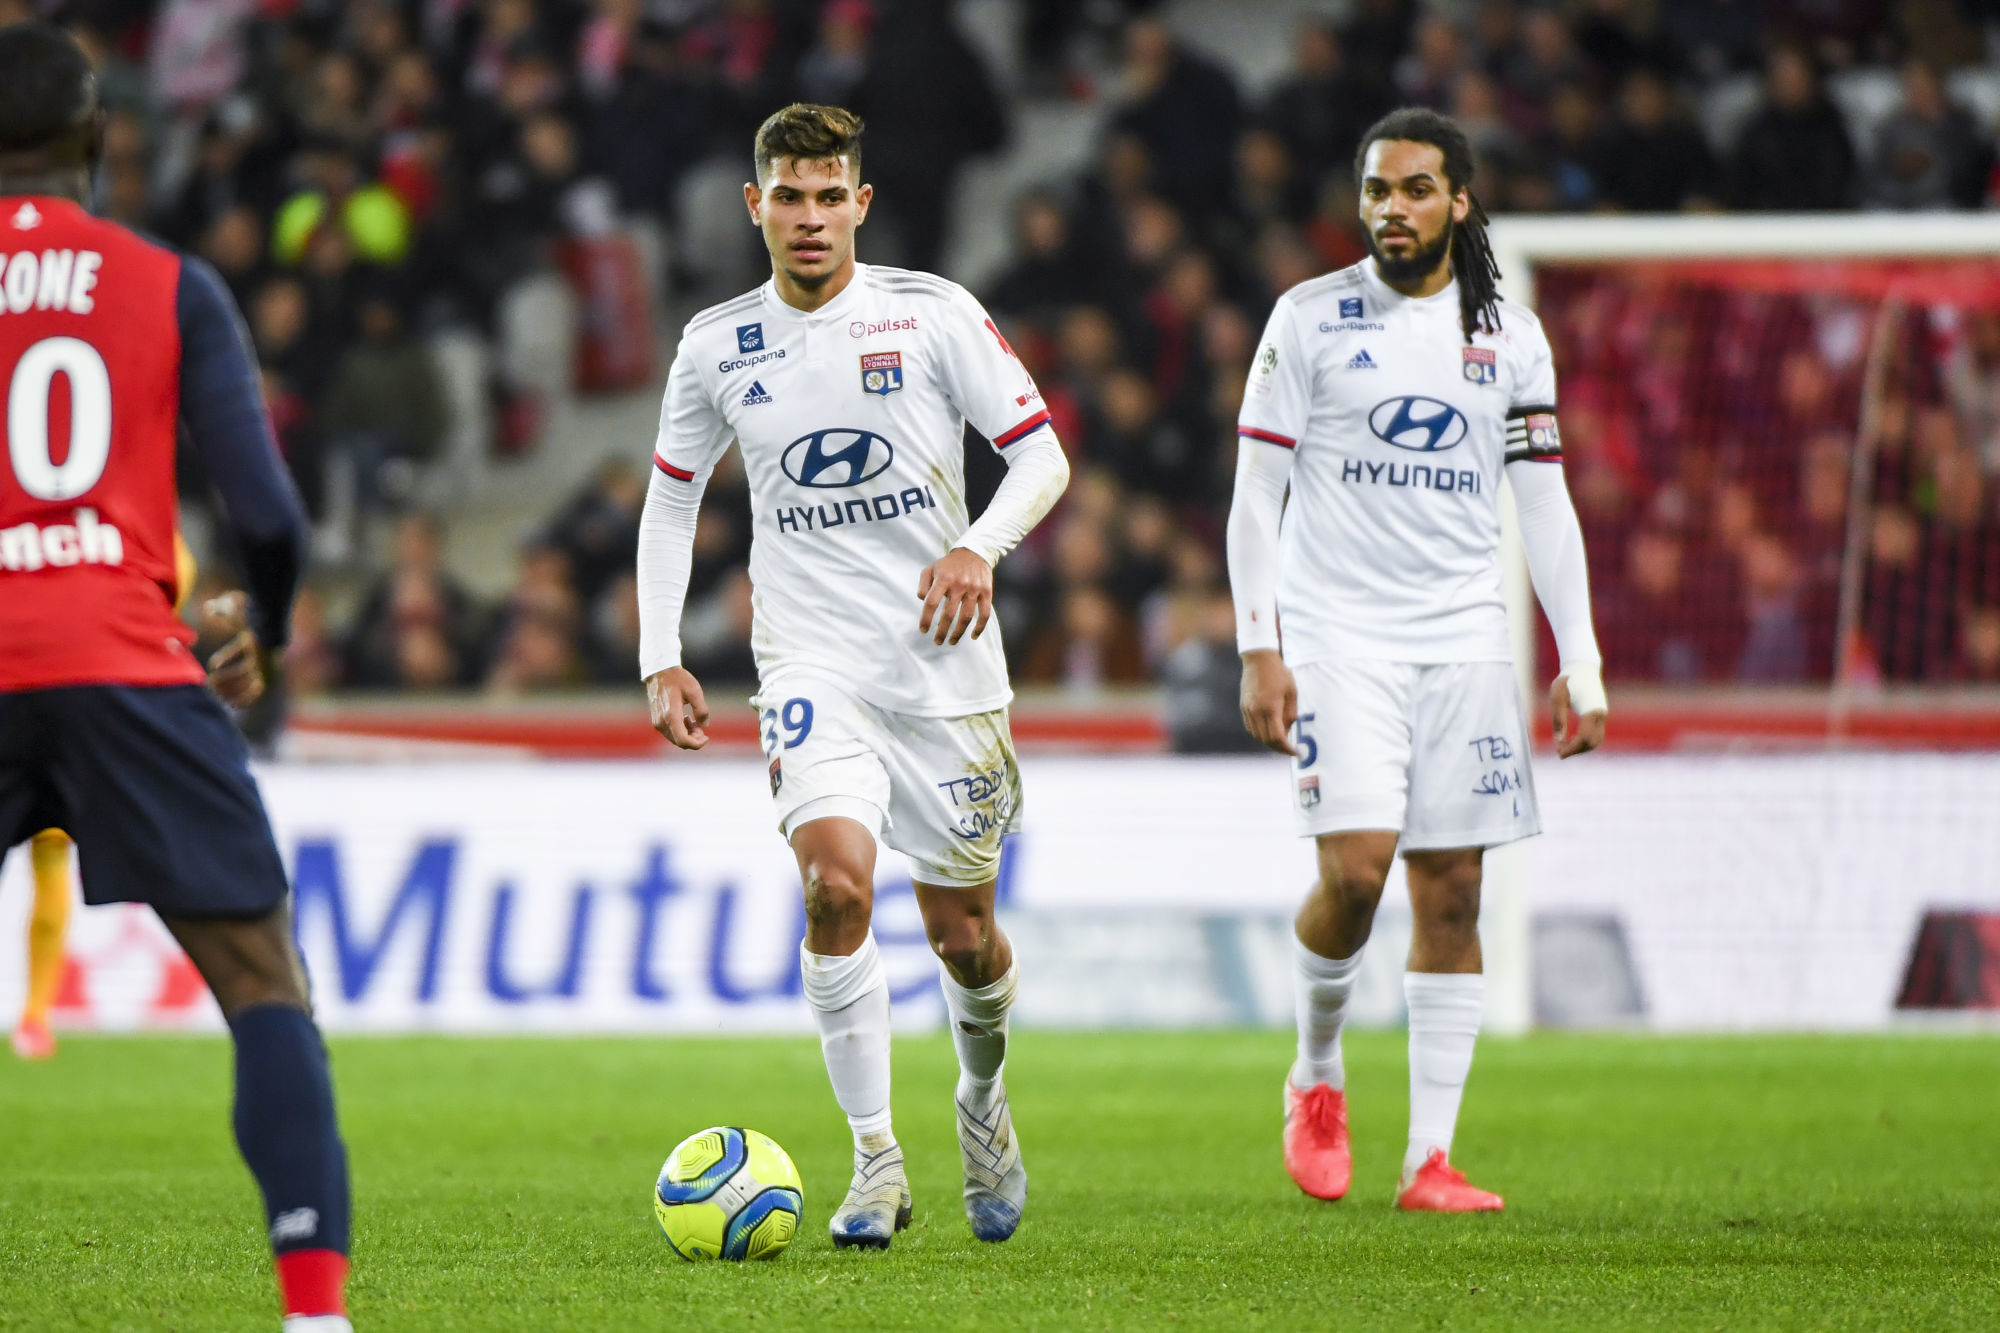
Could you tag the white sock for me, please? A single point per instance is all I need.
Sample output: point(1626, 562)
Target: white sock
point(979, 1030)
point(1320, 987)
point(850, 1002)
point(1444, 1023)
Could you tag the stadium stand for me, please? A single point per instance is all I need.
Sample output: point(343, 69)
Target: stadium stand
point(444, 221)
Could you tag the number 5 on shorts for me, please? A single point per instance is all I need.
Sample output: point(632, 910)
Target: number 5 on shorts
point(795, 716)
point(1308, 747)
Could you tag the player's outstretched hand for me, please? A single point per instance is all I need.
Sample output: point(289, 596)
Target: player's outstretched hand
point(236, 669)
point(680, 709)
point(957, 593)
point(1270, 699)
point(1576, 733)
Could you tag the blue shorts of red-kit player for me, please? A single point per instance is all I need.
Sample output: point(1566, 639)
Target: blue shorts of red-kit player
point(153, 782)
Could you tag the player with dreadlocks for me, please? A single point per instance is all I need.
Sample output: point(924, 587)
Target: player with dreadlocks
point(1390, 396)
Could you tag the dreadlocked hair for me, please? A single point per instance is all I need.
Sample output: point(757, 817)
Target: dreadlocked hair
point(1472, 262)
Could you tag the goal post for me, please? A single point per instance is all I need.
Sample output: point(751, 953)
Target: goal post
point(1883, 267)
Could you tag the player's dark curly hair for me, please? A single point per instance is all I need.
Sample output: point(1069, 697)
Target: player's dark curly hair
point(1472, 260)
point(48, 93)
point(805, 131)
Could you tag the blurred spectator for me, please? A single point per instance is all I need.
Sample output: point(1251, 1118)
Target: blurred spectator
point(1927, 154)
point(1200, 678)
point(1978, 657)
point(599, 529)
point(1972, 372)
point(1434, 64)
point(1049, 270)
point(1572, 150)
point(417, 629)
point(1092, 644)
point(1714, 38)
point(384, 412)
point(1651, 625)
point(1794, 154)
point(1322, 107)
point(312, 662)
point(539, 644)
point(1654, 159)
point(1183, 109)
point(1775, 645)
point(931, 107)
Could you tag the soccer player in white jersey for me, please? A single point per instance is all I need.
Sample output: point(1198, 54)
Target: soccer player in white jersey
point(882, 689)
point(1389, 395)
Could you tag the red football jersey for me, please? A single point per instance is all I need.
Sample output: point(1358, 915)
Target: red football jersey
point(90, 370)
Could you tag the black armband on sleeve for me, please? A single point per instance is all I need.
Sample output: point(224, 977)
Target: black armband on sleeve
point(1532, 434)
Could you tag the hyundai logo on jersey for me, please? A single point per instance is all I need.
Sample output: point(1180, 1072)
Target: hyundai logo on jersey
point(836, 457)
point(1423, 424)
point(882, 373)
point(1482, 365)
point(749, 337)
point(1350, 307)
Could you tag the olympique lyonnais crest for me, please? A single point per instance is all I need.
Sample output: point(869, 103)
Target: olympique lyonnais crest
point(881, 372)
point(1543, 436)
point(1308, 792)
point(777, 777)
point(1482, 365)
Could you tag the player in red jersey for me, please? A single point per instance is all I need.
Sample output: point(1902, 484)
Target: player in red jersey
point(109, 346)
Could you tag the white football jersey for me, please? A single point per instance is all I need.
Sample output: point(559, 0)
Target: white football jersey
point(1390, 547)
point(851, 419)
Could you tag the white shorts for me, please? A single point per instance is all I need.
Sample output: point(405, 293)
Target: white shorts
point(1437, 753)
point(942, 791)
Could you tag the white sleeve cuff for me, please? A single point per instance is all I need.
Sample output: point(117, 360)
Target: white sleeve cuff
point(1037, 475)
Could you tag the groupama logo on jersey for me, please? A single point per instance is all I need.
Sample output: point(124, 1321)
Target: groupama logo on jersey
point(1421, 424)
point(837, 456)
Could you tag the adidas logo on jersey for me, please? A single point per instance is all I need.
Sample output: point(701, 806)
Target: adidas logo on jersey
point(1363, 361)
point(756, 395)
point(27, 217)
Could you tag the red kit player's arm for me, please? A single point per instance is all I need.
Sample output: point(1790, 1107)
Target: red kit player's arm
point(222, 410)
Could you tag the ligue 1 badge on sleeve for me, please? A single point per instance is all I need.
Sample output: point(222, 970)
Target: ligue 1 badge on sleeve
point(881, 373)
point(1482, 365)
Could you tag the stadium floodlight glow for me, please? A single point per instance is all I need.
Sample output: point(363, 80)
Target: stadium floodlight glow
point(1904, 266)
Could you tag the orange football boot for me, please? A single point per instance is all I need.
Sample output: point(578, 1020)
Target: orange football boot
point(1316, 1151)
point(34, 1041)
point(1439, 1187)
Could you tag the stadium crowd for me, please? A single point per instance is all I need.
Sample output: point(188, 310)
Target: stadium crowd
point(374, 177)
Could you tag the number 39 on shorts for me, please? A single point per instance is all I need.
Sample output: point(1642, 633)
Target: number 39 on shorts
point(794, 718)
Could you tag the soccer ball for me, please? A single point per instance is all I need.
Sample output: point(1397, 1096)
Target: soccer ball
point(729, 1194)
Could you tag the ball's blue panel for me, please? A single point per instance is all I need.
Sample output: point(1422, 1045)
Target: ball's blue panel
point(697, 1168)
point(743, 1228)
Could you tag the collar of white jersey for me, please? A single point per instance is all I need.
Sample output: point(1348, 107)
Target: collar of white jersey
point(838, 308)
point(1391, 298)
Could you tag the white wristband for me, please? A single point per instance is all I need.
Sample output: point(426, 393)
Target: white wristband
point(1586, 692)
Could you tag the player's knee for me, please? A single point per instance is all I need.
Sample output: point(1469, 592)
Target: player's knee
point(961, 939)
point(837, 894)
point(1353, 876)
point(1448, 902)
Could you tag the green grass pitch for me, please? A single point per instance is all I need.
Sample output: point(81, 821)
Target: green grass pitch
point(504, 1184)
